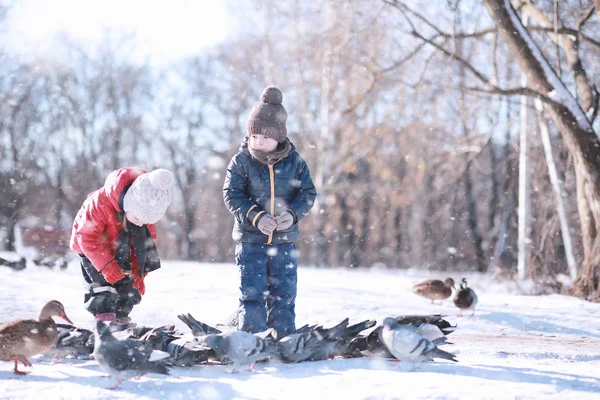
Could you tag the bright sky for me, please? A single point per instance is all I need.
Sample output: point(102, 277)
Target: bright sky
point(166, 29)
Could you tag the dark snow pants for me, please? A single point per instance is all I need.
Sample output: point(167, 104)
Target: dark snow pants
point(269, 275)
point(102, 297)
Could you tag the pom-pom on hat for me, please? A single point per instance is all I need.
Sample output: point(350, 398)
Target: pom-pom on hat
point(268, 116)
point(149, 196)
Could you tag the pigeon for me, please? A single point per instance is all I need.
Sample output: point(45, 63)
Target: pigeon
point(317, 343)
point(16, 265)
point(465, 298)
point(198, 328)
point(158, 338)
point(124, 359)
point(185, 352)
point(301, 344)
point(238, 348)
point(433, 327)
point(72, 342)
point(407, 345)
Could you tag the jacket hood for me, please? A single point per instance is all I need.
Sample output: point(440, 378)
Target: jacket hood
point(117, 181)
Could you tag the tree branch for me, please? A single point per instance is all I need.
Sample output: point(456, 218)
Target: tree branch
point(520, 91)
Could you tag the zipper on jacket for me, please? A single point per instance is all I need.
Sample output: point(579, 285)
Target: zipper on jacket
point(272, 205)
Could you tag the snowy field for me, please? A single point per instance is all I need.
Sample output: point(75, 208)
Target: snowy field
point(525, 347)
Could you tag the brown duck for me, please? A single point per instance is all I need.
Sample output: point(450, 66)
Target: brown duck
point(434, 289)
point(465, 298)
point(25, 338)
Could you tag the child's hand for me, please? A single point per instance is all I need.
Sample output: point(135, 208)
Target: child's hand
point(112, 272)
point(284, 221)
point(266, 224)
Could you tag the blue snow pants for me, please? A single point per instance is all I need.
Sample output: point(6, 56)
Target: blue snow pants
point(269, 276)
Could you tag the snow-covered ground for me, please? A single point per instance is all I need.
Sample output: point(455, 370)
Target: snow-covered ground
point(514, 347)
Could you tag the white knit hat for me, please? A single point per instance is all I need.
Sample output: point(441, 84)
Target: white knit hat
point(149, 196)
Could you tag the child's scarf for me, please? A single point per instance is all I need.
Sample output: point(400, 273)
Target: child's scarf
point(271, 157)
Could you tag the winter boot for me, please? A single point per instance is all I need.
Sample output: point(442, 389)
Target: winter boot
point(107, 317)
point(122, 318)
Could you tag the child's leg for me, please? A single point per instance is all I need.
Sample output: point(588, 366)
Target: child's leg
point(127, 298)
point(101, 298)
point(251, 259)
point(282, 279)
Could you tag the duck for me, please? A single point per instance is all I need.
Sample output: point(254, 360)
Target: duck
point(25, 338)
point(465, 298)
point(434, 289)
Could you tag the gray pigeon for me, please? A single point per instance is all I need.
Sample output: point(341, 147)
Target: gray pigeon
point(198, 328)
point(72, 342)
point(124, 359)
point(432, 327)
point(317, 343)
point(407, 345)
point(186, 352)
point(238, 348)
point(160, 337)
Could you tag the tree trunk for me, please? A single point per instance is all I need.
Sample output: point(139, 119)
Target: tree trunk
point(429, 250)
point(397, 239)
point(191, 243)
point(556, 185)
point(473, 221)
point(524, 204)
point(580, 139)
point(11, 235)
point(365, 232)
point(570, 46)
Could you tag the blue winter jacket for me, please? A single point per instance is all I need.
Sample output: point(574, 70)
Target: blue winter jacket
point(253, 189)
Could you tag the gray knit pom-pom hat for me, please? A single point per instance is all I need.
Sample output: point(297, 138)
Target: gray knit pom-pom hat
point(149, 196)
point(268, 116)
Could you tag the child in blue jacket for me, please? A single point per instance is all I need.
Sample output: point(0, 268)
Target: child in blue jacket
point(268, 189)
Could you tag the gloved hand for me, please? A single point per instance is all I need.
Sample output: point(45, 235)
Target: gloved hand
point(112, 272)
point(284, 220)
point(139, 285)
point(266, 224)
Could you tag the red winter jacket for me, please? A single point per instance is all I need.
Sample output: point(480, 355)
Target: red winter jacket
point(97, 226)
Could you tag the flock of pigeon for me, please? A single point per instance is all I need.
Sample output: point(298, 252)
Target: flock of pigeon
point(128, 350)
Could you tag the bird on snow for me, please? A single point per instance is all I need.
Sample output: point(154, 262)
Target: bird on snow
point(187, 352)
point(124, 359)
point(198, 328)
point(239, 348)
point(434, 289)
point(465, 298)
point(317, 343)
point(22, 339)
point(407, 345)
point(432, 327)
point(72, 342)
point(159, 337)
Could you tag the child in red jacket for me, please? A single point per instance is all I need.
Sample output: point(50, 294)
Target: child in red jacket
point(114, 234)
